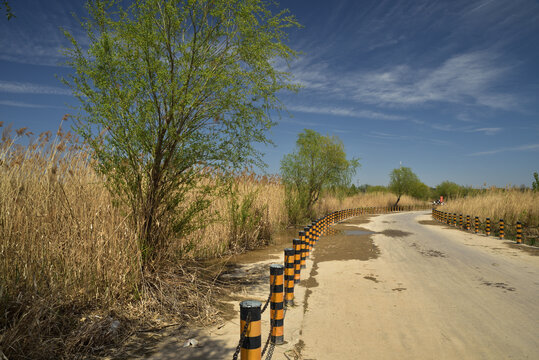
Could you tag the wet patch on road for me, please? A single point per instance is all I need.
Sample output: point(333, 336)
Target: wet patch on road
point(428, 252)
point(394, 233)
point(500, 285)
point(399, 289)
point(371, 278)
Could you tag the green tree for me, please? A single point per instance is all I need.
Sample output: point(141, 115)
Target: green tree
point(172, 91)
point(403, 181)
point(535, 183)
point(449, 190)
point(319, 162)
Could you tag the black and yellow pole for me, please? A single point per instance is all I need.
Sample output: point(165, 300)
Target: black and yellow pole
point(289, 276)
point(303, 249)
point(252, 342)
point(519, 232)
point(455, 219)
point(277, 303)
point(468, 224)
point(460, 221)
point(476, 224)
point(502, 229)
point(487, 230)
point(297, 260)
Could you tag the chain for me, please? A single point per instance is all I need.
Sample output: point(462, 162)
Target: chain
point(267, 341)
point(242, 337)
point(269, 297)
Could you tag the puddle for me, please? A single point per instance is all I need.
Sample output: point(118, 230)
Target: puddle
point(357, 232)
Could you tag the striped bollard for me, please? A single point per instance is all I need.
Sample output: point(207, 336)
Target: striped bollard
point(502, 229)
point(519, 232)
point(454, 219)
point(289, 276)
point(277, 303)
point(308, 244)
point(487, 230)
point(460, 221)
point(297, 260)
point(303, 249)
point(476, 224)
point(468, 224)
point(252, 342)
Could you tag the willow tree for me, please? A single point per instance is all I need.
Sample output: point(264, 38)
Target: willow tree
point(319, 162)
point(403, 181)
point(171, 91)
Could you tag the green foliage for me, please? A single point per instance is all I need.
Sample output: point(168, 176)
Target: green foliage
point(535, 183)
point(249, 223)
point(9, 12)
point(373, 188)
point(404, 181)
point(172, 93)
point(318, 163)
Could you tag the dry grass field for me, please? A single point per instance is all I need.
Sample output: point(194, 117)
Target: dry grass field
point(511, 205)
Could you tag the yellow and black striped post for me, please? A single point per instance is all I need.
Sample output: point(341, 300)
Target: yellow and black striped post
point(277, 303)
point(502, 229)
point(455, 219)
point(460, 221)
point(308, 244)
point(519, 232)
point(476, 224)
point(289, 276)
point(468, 224)
point(252, 342)
point(487, 229)
point(297, 260)
point(303, 249)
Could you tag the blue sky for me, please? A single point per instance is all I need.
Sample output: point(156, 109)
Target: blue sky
point(448, 88)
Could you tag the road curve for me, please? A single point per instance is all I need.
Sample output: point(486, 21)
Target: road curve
point(417, 290)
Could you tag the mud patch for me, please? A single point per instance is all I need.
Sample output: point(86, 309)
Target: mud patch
point(394, 233)
point(430, 222)
point(428, 252)
point(358, 232)
point(371, 278)
point(346, 247)
point(531, 250)
point(399, 289)
point(500, 285)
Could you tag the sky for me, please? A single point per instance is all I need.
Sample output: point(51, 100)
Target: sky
point(448, 88)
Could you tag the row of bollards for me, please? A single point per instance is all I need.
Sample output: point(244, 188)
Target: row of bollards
point(451, 219)
point(283, 279)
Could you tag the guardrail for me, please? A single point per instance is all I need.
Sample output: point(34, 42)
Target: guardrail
point(499, 229)
point(283, 279)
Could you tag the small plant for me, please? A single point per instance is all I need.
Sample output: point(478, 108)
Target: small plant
point(535, 183)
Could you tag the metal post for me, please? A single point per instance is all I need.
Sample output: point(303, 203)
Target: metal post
point(519, 232)
point(252, 342)
point(277, 303)
point(487, 230)
point(289, 276)
point(297, 260)
point(502, 229)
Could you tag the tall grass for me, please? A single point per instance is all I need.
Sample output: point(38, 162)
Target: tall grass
point(511, 205)
point(69, 261)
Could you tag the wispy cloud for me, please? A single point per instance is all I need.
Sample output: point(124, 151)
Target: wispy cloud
point(343, 111)
point(507, 149)
point(31, 88)
point(26, 105)
point(468, 79)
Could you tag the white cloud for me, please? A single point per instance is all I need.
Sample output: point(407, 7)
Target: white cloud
point(467, 79)
point(343, 111)
point(25, 105)
point(507, 149)
point(30, 88)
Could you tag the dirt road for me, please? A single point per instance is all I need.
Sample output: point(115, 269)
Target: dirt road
point(420, 291)
point(396, 286)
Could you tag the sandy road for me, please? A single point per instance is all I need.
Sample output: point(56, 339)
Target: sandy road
point(410, 289)
point(413, 290)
